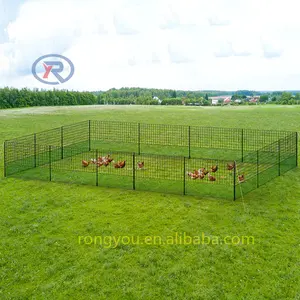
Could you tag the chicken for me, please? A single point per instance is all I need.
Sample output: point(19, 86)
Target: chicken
point(214, 169)
point(106, 160)
point(201, 176)
point(230, 166)
point(211, 178)
point(99, 163)
point(93, 161)
point(192, 175)
point(241, 178)
point(85, 163)
point(109, 159)
point(105, 163)
point(120, 164)
point(204, 171)
point(196, 174)
point(140, 165)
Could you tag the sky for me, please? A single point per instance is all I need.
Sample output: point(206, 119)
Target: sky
point(182, 45)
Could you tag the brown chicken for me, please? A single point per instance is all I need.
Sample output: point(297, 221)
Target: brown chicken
point(196, 174)
point(105, 163)
point(109, 159)
point(99, 163)
point(241, 178)
point(120, 164)
point(193, 175)
point(201, 176)
point(85, 163)
point(140, 165)
point(214, 169)
point(211, 178)
point(230, 166)
point(204, 171)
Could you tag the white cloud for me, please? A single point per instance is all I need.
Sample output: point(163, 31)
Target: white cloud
point(215, 21)
point(192, 44)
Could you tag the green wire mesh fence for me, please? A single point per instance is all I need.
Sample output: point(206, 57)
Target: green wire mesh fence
point(173, 157)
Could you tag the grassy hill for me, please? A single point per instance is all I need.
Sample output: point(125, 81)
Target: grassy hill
point(40, 223)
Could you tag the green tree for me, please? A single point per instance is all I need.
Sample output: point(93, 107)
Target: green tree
point(173, 94)
point(264, 98)
point(285, 98)
point(297, 96)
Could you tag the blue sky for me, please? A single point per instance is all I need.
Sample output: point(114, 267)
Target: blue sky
point(186, 44)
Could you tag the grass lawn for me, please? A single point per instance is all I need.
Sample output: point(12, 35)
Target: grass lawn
point(40, 254)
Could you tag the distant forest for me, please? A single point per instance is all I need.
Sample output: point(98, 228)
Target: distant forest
point(11, 97)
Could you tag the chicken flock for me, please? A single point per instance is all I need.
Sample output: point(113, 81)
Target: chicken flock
point(107, 160)
point(196, 174)
point(202, 172)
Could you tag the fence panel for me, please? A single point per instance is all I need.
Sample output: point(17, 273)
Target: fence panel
point(114, 136)
point(217, 183)
point(288, 152)
point(75, 138)
point(49, 137)
point(254, 139)
point(268, 157)
point(164, 139)
point(159, 173)
point(246, 175)
point(212, 141)
point(168, 154)
point(19, 154)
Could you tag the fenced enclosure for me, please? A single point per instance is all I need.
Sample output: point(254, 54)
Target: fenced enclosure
point(244, 158)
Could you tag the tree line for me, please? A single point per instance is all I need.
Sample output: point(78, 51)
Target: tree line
point(11, 97)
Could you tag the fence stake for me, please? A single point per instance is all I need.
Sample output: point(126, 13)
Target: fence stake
point(189, 141)
point(62, 141)
point(257, 168)
point(242, 145)
point(50, 165)
point(34, 138)
point(234, 181)
point(296, 149)
point(4, 158)
point(279, 158)
point(89, 135)
point(97, 168)
point(139, 138)
point(133, 171)
point(184, 176)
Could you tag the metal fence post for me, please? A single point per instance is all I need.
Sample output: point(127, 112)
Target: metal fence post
point(279, 157)
point(89, 141)
point(62, 141)
point(234, 181)
point(97, 169)
point(257, 168)
point(34, 149)
point(50, 164)
point(139, 138)
point(4, 159)
point(133, 171)
point(189, 141)
point(242, 146)
point(184, 191)
point(296, 149)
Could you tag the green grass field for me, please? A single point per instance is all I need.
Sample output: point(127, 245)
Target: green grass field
point(41, 258)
